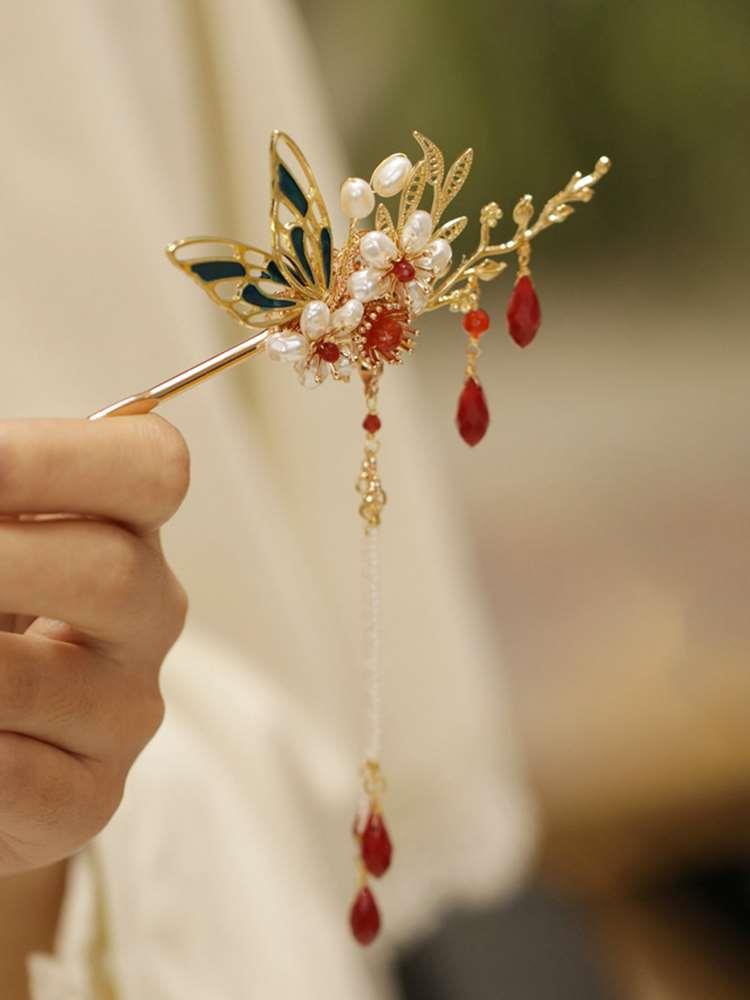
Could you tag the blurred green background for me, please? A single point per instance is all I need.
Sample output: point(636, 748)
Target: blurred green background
point(543, 87)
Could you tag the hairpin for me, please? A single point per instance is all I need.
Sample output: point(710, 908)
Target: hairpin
point(331, 313)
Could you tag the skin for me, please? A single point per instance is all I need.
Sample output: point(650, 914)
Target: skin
point(91, 610)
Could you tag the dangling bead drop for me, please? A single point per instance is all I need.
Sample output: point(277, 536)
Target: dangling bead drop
point(376, 845)
point(524, 314)
point(473, 415)
point(364, 917)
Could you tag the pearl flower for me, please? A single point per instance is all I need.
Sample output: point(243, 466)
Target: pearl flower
point(406, 269)
point(322, 345)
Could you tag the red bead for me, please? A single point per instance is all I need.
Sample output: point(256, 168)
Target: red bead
point(473, 416)
point(524, 314)
point(364, 918)
point(476, 322)
point(403, 270)
point(372, 423)
point(329, 352)
point(376, 846)
point(385, 334)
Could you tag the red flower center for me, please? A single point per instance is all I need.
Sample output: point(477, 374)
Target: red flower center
point(329, 352)
point(385, 334)
point(403, 271)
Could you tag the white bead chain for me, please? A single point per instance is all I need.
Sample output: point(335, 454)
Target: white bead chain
point(371, 640)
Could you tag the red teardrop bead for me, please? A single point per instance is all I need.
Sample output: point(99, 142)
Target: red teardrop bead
point(364, 917)
point(376, 846)
point(524, 314)
point(473, 416)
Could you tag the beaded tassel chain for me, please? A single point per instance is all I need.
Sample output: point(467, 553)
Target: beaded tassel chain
point(333, 312)
point(374, 848)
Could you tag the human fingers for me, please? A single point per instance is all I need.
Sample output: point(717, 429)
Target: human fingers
point(134, 470)
point(106, 582)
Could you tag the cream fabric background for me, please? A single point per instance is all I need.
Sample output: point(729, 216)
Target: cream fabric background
point(227, 872)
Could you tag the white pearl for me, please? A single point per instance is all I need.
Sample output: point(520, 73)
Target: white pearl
point(365, 285)
point(437, 256)
point(417, 296)
point(377, 249)
point(357, 198)
point(389, 177)
point(315, 320)
point(417, 230)
point(308, 376)
point(286, 346)
point(344, 365)
point(346, 317)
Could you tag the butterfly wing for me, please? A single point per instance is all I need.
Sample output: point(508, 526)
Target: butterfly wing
point(244, 280)
point(259, 289)
point(302, 244)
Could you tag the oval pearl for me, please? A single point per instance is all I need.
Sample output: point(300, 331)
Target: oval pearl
point(365, 285)
point(307, 376)
point(286, 346)
point(389, 177)
point(345, 365)
point(437, 256)
point(346, 317)
point(357, 198)
point(315, 319)
point(377, 249)
point(417, 230)
point(417, 296)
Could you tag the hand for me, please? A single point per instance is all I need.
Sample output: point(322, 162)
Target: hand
point(92, 609)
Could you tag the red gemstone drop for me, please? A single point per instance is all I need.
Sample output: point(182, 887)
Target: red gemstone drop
point(364, 917)
point(476, 322)
point(372, 423)
point(385, 334)
point(473, 416)
point(329, 352)
point(403, 270)
point(376, 846)
point(524, 314)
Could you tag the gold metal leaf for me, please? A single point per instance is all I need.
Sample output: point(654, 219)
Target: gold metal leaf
point(450, 230)
point(488, 269)
point(456, 178)
point(412, 193)
point(384, 222)
point(433, 158)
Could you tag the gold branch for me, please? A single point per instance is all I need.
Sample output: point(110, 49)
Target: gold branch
point(479, 264)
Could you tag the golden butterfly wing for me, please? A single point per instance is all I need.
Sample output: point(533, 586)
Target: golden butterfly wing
point(245, 281)
point(302, 242)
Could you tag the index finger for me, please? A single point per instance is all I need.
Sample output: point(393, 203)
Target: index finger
point(133, 470)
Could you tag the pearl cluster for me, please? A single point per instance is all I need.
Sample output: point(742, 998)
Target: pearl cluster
point(322, 346)
point(385, 272)
point(398, 267)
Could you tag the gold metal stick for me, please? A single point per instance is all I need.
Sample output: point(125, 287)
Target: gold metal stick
point(148, 400)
